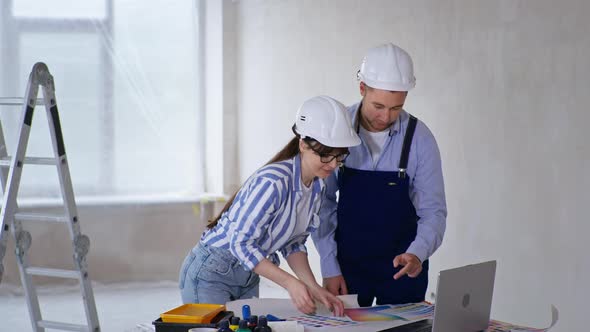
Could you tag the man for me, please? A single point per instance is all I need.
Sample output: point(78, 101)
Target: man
point(391, 211)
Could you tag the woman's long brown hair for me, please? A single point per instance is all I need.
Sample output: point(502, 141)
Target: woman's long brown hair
point(288, 152)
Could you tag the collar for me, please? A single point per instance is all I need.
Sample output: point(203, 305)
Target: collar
point(317, 184)
point(393, 129)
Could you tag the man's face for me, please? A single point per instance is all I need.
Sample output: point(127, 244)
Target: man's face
point(380, 108)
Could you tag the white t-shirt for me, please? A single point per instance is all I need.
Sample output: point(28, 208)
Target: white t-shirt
point(303, 210)
point(375, 141)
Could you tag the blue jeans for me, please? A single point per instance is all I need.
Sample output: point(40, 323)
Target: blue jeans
point(213, 275)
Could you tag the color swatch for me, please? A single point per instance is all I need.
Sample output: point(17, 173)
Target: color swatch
point(316, 321)
point(371, 314)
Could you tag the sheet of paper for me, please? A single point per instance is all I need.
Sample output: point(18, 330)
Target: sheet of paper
point(497, 326)
point(286, 326)
point(349, 301)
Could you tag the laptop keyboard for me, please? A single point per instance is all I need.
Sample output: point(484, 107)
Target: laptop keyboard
point(424, 325)
point(424, 329)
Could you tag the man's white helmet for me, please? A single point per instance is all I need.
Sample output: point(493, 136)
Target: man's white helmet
point(387, 67)
point(326, 120)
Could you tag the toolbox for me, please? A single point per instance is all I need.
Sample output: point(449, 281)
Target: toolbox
point(184, 326)
point(192, 313)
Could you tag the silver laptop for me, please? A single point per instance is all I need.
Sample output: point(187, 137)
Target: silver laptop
point(463, 301)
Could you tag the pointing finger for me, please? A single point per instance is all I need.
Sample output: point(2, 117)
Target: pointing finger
point(401, 272)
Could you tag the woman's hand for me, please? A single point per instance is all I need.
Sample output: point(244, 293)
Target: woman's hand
point(300, 296)
point(331, 302)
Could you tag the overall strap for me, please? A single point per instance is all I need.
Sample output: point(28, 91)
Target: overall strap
point(403, 161)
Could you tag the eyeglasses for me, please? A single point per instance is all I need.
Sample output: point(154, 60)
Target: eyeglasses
point(327, 158)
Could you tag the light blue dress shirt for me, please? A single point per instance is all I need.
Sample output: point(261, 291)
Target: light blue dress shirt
point(426, 190)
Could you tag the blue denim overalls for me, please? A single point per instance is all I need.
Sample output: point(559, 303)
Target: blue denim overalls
point(376, 222)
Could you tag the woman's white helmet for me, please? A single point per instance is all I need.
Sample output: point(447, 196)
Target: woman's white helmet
point(387, 67)
point(327, 121)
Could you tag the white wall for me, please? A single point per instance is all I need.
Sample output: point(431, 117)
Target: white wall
point(504, 87)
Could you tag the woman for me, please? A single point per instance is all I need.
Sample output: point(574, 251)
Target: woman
point(275, 210)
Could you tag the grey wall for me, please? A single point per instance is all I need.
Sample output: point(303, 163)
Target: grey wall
point(128, 241)
point(504, 87)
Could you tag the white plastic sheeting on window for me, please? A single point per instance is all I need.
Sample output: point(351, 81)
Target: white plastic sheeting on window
point(127, 81)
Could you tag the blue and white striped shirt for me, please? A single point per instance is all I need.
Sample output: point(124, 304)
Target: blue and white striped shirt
point(426, 190)
point(263, 216)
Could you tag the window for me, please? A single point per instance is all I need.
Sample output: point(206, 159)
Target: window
point(127, 79)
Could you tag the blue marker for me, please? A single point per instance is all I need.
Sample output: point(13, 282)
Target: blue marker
point(245, 311)
point(273, 318)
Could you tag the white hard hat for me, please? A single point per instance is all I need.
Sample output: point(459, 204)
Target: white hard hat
point(326, 120)
point(387, 67)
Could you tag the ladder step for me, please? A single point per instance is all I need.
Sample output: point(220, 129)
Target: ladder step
point(30, 160)
point(15, 101)
point(62, 326)
point(22, 216)
point(57, 273)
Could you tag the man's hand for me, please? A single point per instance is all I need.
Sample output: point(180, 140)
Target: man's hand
point(336, 285)
point(411, 265)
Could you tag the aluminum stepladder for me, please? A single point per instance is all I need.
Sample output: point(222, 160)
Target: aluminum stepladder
point(11, 218)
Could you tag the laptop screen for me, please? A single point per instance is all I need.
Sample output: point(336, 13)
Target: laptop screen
point(464, 298)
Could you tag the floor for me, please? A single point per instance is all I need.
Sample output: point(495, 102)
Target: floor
point(129, 307)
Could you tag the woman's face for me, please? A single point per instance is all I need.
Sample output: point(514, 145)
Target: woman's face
point(311, 160)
